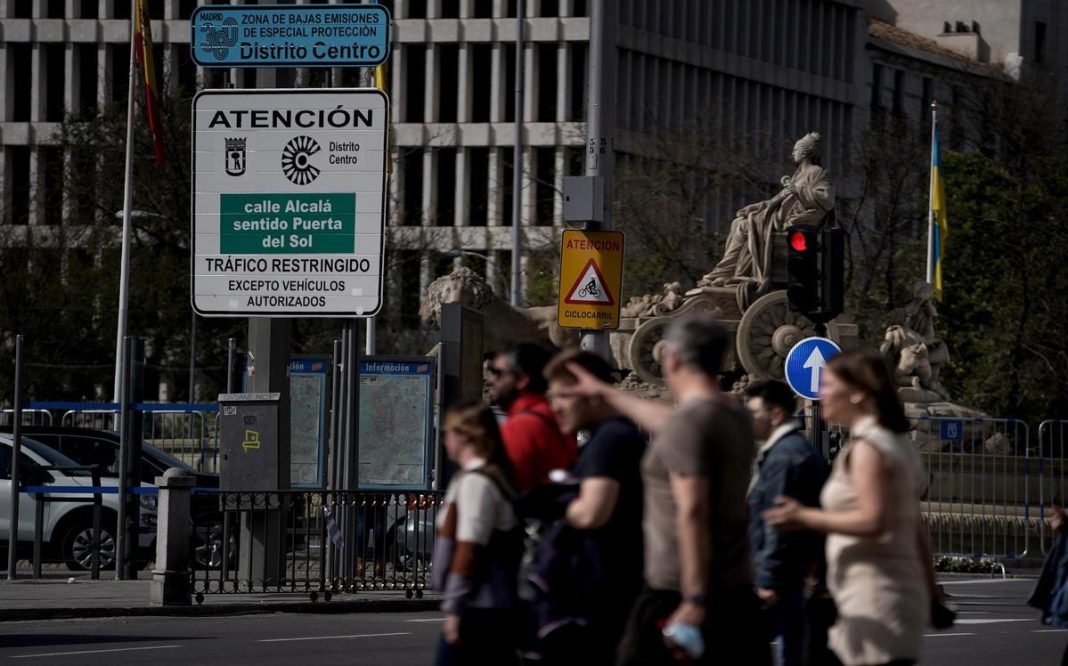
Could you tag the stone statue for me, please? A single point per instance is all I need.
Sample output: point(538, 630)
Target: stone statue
point(655, 305)
point(805, 198)
point(502, 322)
point(916, 351)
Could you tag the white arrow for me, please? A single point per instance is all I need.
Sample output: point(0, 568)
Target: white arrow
point(816, 363)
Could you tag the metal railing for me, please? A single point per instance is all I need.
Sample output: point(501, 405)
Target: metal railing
point(186, 431)
point(1052, 446)
point(30, 417)
point(314, 542)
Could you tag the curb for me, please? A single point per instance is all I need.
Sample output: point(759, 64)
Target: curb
point(215, 610)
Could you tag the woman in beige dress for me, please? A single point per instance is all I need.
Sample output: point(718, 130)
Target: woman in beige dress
point(879, 566)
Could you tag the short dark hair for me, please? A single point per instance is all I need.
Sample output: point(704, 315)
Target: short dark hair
point(774, 394)
point(530, 359)
point(592, 362)
point(700, 340)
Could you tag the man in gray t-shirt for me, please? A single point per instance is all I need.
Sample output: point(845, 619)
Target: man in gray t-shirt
point(710, 438)
point(695, 476)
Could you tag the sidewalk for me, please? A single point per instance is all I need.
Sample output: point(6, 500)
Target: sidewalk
point(48, 599)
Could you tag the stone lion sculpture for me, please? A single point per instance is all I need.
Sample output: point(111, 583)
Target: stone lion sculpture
point(503, 324)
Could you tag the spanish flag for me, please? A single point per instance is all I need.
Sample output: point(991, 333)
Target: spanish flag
point(143, 53)
point(938, 225)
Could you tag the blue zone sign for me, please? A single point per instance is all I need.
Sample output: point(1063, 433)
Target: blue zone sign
point(290, 35)
point(805, 365)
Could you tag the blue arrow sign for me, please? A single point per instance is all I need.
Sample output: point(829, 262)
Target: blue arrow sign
point(805, 364)
point(290, 35)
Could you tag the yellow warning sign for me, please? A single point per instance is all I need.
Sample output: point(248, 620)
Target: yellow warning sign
point(591, 279)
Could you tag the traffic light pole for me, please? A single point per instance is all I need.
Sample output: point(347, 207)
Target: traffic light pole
point(817, 420)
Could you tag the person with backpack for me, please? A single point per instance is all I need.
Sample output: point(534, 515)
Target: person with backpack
point(531, 434)
point(589, 567)
point(479, 545)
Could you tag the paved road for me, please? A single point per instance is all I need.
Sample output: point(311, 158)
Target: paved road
point(995, 629)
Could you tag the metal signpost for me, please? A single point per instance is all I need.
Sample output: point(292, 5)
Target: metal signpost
point(289, 191)
point(591, 279)
point(290, 36)
point(803, 369)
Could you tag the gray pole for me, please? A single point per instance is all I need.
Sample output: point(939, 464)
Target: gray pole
point(231, 351)
point(127, 207)
point(517, 158)
point(16, 449)
point(193, 356)
point(600, 126)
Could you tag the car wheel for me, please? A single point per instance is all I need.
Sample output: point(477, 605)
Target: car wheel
point(77, 548)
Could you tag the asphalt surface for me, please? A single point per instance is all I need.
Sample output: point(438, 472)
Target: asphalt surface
point(995, 628)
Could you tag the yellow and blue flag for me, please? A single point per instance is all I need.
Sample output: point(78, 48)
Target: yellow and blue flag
point(938, 225)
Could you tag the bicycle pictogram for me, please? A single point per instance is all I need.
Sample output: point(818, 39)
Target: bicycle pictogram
point(590, 289)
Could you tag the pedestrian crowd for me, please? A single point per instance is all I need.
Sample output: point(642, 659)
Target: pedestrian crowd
point(692, 533)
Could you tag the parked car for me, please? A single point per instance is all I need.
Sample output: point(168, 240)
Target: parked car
point(90, 446)
point(67, 530)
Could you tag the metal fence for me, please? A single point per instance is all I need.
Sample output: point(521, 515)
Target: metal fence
point(314, 542)
point(983, 494)
point(188, 432)
point(30, 417)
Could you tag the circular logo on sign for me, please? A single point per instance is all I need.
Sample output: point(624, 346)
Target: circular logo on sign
point(296, 160)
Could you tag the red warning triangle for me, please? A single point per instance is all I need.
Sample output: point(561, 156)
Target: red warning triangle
point(589, 288)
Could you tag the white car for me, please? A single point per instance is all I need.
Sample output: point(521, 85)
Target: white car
point(68, 523)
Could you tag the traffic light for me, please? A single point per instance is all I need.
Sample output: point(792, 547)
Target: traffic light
point(815, 266)
point(803, 268)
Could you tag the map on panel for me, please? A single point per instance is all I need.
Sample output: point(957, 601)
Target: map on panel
point(307, 416)
point(395, 412)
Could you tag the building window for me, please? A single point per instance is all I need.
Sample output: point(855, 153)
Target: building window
point(550, 8)
point(546, 111)
point(545, 187)
point(20, 184)
point(55, 57)
point(412, 191)
point(899, 93)
point(415, 95)
point(483, 8)
point(446, 186)
point(21, 59)
point(478, 161)
point(449, 81)
point(481, 70)
point(56, 9)
point(417, 9)
point(50, 188)
point(1040, 42)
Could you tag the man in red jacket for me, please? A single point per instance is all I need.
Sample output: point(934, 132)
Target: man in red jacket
point(531, 434)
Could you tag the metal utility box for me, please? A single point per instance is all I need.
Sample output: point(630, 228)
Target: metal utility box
point(584, 199)
point(254, 455)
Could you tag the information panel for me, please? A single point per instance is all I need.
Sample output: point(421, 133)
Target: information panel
point(396, 403)
point(290, 35)
point(308, 394)
point(289, 202)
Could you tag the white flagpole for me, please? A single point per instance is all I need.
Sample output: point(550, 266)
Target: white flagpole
point(930, 199)
point(127, 205)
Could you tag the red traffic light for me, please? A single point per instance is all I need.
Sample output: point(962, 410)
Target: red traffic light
point(798, 241)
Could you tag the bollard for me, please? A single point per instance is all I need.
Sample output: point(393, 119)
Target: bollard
point(170, 577)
